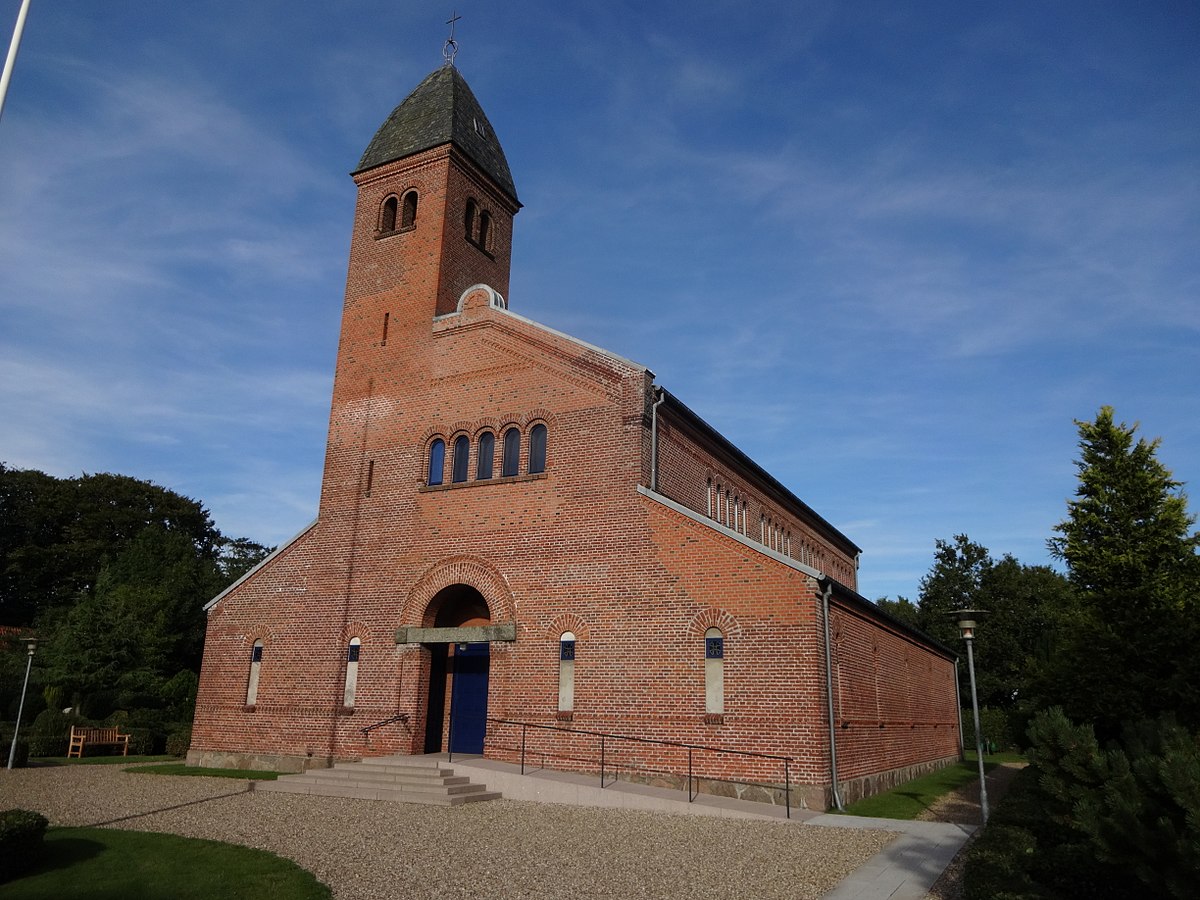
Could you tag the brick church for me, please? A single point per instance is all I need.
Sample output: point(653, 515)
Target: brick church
point(522, 539)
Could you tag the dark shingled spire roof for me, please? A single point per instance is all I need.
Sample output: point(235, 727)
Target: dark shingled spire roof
point(442, 110)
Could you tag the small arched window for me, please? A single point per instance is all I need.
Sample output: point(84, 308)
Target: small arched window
point(537, 449)
point(462, 450)
point(387, 216)
point(566, 672)
point(487, 456)
point(256, 655)
point(469, 219)
point(710, 499)
point(408, 215)
point(714, 672)
point(511, 464)
point(485, 230)
point(437, 461)
point(352, 653)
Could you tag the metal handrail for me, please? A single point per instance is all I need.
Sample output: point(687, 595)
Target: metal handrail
point(604, 737)
point(399, 717)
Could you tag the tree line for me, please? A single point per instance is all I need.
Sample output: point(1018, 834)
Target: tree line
point(1094, 672)
point(111, 573)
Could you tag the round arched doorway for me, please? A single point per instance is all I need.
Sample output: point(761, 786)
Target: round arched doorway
point(456, 713)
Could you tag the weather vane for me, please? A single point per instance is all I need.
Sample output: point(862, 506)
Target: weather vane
point(450, 50)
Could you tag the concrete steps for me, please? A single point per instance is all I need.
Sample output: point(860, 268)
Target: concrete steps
point(399, 779)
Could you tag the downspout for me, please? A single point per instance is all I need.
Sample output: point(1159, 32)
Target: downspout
point(654, 438)
point(828, 592)
point(958, 711)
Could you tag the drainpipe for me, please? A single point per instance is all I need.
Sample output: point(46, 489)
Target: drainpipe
point(654, 438)
point(828, 592)
point(958, 711)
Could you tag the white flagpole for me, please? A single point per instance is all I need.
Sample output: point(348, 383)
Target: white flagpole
point(12, 53)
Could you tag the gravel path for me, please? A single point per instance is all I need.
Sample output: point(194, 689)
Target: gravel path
point(959, 806)
point(506, 848)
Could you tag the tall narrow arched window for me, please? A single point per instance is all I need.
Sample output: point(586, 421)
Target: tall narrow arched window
point(462, 450)
point(511, 464)
point(537, 449)
point(387, 216)
point(469, 217)
point(408, 214)
point(710, 499)
point(714, 672)
point(437, 461)
point(256, 655)
point(351, 688)
point(566, 672)
point(485, 230)
point(486, 456)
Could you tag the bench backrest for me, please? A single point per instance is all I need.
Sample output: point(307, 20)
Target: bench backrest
point(96, 735)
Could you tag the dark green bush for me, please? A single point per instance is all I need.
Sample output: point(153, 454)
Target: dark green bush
point(21, 756)
point(48, 744)
point(21, 833)
point(179, 741)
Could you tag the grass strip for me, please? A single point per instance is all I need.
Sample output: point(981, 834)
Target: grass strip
point(909, 800)
point(179, 768)
point(96, 760)
point(110, 864)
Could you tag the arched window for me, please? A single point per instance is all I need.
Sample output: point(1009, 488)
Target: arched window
point(408, 215)
point(437, 461)
point(351, 672)
point(485, 230)
point(710, 499)
point(566, 672)
point(462, 450)
point(537, 449)
point(487, 455)
point(469, 219)
point(387, 216)
point(714, 672)
point(256, 654)
point(511, 464)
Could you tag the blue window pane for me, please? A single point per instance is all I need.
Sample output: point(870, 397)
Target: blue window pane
point(487, 453)
point(352, 655)
point(537, 449)
point(714, 648)
point(512, 453)
point(256, 654)
point(437, 461)
point(566, 650)
point(462, 449)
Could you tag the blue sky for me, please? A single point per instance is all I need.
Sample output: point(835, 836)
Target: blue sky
point(890, 250)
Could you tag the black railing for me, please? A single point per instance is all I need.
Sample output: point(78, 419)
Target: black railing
point(606, 738)
point(399, 717)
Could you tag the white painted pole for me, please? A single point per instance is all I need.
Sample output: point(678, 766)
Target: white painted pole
point(12, 53)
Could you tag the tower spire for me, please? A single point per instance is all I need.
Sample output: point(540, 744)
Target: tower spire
point(450, 48)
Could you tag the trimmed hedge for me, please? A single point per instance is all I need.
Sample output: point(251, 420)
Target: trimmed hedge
point(179, 741)
point(21, 833)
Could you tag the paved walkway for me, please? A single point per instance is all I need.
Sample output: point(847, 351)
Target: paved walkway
point(904, 870)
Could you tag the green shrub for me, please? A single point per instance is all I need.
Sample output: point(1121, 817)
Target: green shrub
point(179, 741)
point(48, 744)
point(995, 725)
point(21, 833)
point(999, 864)
point(21, 755)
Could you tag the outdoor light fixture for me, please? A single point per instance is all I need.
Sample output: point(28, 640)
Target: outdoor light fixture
point(31, 644)
point(966, 619)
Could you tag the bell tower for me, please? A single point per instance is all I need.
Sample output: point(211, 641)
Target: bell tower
point(434, 216)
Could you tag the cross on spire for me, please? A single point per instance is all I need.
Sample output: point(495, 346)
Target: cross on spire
point(450, 49)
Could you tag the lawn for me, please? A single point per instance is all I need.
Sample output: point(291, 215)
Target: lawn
point(112, 760)
point(107, 864)
point(178, 768)
point(910, 799)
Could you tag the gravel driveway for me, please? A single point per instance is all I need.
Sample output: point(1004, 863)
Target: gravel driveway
point(506, 848)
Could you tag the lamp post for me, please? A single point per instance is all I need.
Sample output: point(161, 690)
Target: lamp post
point(966, 619)
point(31, 643)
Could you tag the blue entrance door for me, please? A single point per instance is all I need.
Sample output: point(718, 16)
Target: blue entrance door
point(468, 699)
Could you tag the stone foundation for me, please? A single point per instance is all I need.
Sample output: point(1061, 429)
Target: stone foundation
point(258, 762)
point(857, 788)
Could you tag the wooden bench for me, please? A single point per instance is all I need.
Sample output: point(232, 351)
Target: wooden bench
point(81, 737)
